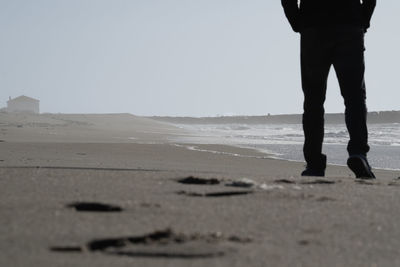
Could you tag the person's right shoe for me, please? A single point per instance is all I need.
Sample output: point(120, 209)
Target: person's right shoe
point(313, 172)
point(317, 168)
point(359, 165)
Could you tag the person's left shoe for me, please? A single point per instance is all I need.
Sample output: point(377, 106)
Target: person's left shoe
point(359, 165)
point(313, 172)
point(316, 167)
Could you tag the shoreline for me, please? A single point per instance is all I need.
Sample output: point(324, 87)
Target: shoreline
point(383, 157)
point(266, 155)
point(128, 155)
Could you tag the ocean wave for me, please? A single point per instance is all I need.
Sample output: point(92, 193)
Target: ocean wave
point(286, 141)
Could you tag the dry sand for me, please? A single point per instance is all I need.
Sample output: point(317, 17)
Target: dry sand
point(251, 211)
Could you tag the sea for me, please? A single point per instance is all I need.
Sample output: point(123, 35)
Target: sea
point(285, 141)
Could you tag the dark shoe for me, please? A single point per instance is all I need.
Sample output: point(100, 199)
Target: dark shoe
point(359, 165)
point(316, 167)
point(313, 172)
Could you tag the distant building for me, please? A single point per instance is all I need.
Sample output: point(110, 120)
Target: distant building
point(23, 104)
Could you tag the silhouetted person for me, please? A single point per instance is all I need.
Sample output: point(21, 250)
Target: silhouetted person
point(332, 33)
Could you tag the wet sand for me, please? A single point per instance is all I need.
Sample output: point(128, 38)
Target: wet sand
point(112, 190)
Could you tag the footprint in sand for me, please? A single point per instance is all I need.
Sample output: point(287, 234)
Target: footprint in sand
point(318, 182)
point(306, 242)
point(243, 182)
point(305, 182)
point(214, 194)
point(284, 181)
point(191, 180)
point(198, 181)
point(94, 207)
point(325, 199)
point(67, 249)
point(162, 244)
point(366, 182)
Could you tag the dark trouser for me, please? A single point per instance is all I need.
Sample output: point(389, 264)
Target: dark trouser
point(344, 49)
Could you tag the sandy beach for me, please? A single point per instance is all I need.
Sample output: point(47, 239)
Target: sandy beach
point(114, 190)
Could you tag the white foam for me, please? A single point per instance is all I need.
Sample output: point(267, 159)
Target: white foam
point(279, 141)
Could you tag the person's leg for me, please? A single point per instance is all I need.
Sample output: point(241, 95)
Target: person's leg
point(315, 65)
point(349, 66)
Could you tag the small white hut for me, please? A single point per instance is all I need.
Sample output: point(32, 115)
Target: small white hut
point(23, 104)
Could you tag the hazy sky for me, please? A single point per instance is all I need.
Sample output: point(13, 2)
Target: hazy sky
point(174, 57)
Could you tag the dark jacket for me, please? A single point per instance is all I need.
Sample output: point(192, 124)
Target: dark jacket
point(327, 13)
